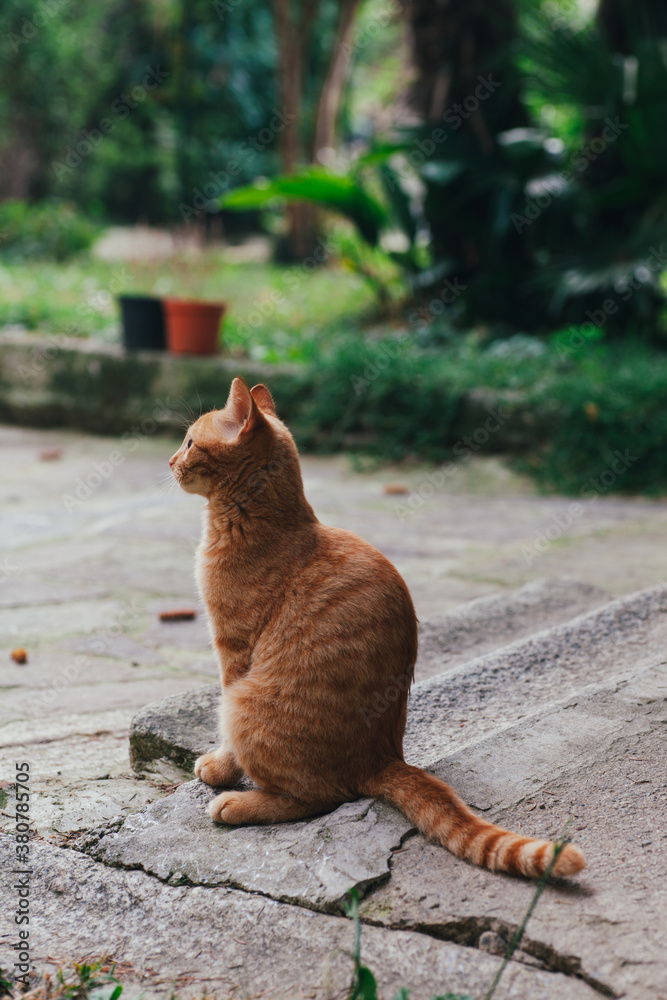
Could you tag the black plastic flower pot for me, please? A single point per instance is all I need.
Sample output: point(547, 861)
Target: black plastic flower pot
point(143, 323)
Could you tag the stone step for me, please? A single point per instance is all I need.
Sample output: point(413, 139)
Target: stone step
point(593, 766)
point(489, 623)
point(197, 941)
point(182, 727)
point(494, 691)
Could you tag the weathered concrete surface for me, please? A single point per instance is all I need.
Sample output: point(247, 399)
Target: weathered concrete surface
point(233, 943)
point(489, 623)
point(79, 776)
point(313, 863)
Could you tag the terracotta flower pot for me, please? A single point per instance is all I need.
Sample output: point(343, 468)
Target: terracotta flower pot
point(193, 327)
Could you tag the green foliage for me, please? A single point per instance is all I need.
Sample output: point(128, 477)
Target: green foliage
point(609, 401)
point(382, 395)
point(376, 205)
point(6, 988)
point(212, 111)
point(343, 194)
point(391, 398)
point(49, 230)
point(544, 225)
point(607, 213)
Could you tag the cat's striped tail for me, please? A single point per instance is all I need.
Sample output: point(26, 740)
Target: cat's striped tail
point(441, 815)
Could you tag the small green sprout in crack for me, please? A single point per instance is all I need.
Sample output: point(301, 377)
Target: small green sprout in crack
point(516, 940)
point(364, 984)
point(6, 987)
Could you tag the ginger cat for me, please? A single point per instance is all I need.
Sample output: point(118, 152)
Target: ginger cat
point(310, 623)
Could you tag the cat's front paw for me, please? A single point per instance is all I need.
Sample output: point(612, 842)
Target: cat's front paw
point(227, 808)
point(218, 770)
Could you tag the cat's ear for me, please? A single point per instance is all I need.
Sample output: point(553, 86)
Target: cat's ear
point(240, 410)
point(263, 398)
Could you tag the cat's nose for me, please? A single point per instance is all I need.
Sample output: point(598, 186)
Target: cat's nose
point(172, 460)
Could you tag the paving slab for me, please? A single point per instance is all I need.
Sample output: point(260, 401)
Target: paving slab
point(80, 775)
point(312, 863)
point(241, 944)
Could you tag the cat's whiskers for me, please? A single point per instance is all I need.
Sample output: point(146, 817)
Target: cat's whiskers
point(165, 487)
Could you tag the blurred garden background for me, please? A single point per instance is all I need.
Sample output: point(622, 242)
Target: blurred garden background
point(405, 204)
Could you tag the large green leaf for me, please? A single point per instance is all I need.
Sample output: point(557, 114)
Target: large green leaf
point(343, 194)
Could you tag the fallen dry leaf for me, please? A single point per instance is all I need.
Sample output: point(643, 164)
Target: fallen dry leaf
point(50, 454)
point(181, 615)
point(396, 489)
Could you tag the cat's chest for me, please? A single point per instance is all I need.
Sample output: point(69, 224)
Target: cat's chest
point(238, 595)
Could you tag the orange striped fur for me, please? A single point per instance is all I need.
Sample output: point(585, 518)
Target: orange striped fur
point(316, 637)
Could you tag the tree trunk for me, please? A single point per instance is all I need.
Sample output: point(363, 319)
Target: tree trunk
point(293, 33)
point(332, 91)
point(294, 20)
point(622, 22)
point(452, 44)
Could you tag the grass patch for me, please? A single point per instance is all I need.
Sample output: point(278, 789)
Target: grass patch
point(88, 980)
point(585, 417)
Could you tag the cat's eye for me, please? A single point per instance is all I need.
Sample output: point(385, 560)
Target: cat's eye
point(189, 444)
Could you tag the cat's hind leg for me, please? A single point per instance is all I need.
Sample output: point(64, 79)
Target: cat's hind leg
point(219, 769)
point(258, 807)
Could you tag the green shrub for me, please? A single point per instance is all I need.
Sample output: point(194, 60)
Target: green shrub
point(391, 398)
point(608, 430)
point(52, 229)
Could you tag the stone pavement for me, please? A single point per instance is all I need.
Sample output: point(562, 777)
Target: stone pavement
point(532, 713)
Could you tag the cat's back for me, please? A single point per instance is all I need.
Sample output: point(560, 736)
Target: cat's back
point(346, 600)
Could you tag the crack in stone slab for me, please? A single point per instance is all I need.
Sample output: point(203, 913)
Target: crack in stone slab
point(312, 863)
point(284, 949)
point(467, 931)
